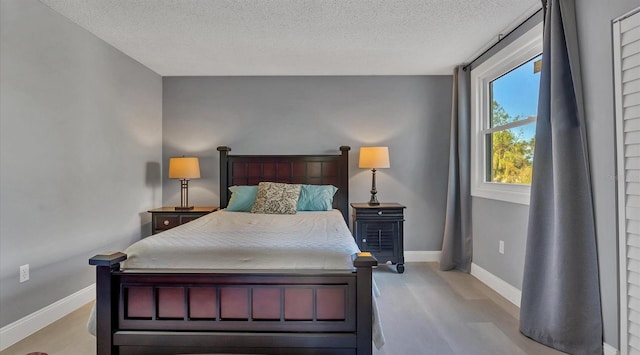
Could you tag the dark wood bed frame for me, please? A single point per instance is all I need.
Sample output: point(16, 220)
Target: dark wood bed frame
point(170, 311)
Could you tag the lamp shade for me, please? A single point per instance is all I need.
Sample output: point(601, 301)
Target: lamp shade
point(374, 157)
point(184, 168)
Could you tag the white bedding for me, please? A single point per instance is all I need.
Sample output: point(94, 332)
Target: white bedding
point(242, 240)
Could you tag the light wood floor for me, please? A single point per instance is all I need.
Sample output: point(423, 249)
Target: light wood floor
point(424, 311)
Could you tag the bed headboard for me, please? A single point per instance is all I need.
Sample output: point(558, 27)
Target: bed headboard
point(294, 169)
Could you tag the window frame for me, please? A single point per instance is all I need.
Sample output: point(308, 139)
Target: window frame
point(518, 52)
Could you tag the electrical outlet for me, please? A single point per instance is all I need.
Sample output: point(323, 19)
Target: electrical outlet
point(501, 247)
point(24, 273)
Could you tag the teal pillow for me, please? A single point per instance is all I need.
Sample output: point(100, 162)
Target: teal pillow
point(242, 198)
point(316, 197)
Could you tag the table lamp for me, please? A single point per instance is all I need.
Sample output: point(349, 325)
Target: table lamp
point(184, 168)
point(374, 158)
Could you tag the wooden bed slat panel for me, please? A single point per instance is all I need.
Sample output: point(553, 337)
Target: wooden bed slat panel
point(171, 303)
point(314, 170)
point(266, 304)
point(284, 170)
point(299, 169)
point(203, 303)
point(331, 303)
point(298, 304)
point(254, 170)
point(234, 303)
point(139, 302)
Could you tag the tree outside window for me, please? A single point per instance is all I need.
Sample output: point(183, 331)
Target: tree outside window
point(510, 137)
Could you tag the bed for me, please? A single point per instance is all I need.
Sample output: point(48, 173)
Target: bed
point(292, 307)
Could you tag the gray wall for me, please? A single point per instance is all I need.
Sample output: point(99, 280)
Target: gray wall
point(493, 221)
point(286, 115)
point(80, 154)
point(594, 19)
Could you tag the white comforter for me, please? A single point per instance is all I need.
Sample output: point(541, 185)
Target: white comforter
point(242, 240)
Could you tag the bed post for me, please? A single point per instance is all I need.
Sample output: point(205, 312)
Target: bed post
point(224, 176)
point(364, 309)
point(106, 300)
point(344, 181)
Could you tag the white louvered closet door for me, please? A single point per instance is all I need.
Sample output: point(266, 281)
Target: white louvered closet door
point(627, 85)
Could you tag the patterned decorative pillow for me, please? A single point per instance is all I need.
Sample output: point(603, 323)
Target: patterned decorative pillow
point(276, 198)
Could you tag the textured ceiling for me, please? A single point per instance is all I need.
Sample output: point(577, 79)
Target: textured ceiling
point(297, 37)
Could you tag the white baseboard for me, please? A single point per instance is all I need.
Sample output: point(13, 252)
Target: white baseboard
point(609, 350)
point(22, 328)
point(421, 256)
point(497, 284)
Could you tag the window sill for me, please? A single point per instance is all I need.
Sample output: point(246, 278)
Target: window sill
point(503, 192)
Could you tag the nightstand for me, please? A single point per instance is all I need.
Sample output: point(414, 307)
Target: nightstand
point(168, 217)
point(379, 230)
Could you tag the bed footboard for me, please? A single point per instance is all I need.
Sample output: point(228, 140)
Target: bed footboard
point(233, 311)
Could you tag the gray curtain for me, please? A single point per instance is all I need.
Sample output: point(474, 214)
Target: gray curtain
point(456, 243)
point(560, 293)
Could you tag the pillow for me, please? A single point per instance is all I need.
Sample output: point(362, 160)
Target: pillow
point(276, 198)
point(316, 197)
point(242, 198)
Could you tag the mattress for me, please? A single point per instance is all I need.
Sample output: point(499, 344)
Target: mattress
point(242, 240)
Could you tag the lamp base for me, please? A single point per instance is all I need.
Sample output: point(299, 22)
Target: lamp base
point(374, 199)
point(186, 208)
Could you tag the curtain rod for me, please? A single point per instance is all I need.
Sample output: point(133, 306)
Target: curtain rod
point(500, 39)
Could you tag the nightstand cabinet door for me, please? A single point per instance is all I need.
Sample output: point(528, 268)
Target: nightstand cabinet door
point(379, 230)
point(379, 238)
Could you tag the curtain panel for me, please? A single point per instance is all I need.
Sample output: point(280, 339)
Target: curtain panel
point(560, 304)
point(457, 240)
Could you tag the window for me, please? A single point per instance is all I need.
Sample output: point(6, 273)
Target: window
point(510, 135)
point(504, 91)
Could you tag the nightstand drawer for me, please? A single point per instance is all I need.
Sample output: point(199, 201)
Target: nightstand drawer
point(380, 213)
point(165, 218)
point(163, 222)
point(190, 218)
